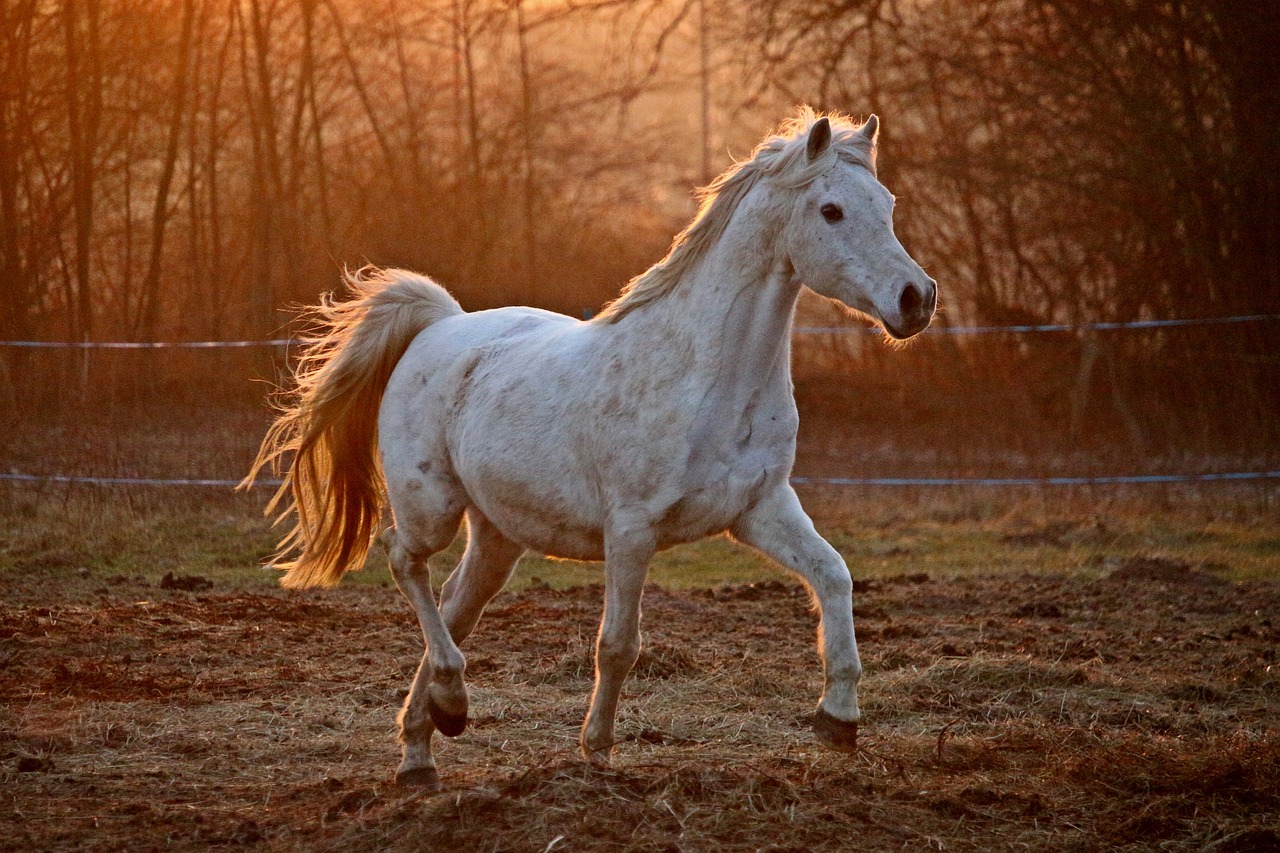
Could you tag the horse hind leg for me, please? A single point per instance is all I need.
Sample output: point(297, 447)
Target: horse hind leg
point(485, 568)
point(438, 696)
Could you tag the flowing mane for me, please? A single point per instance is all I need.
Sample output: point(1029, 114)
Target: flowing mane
point(782, 157)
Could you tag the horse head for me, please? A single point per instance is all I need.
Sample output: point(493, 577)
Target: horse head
point(839, 236)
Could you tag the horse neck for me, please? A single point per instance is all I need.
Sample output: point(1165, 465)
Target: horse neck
point(739, 298)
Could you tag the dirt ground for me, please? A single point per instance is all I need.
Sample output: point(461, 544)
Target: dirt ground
point(1138, 710)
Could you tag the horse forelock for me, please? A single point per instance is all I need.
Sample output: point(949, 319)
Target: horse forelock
point(788, 148)
point(783, 159)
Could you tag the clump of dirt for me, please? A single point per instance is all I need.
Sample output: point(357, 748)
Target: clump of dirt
point(913, 579)
point(1162, 570)
point(1038, 610)
point(662, 660)
point(186, 583)
point(1059, 534)
point(1052, 534)
point(757, 591)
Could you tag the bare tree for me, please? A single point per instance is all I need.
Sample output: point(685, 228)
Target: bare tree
point(83, 43)
point(16, 307)
point(178, 108)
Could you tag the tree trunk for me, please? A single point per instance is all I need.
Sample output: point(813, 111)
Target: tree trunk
point(526, 129)
point(84, 112)
point(160, 211)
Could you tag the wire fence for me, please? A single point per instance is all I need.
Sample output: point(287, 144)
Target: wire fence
point(274, 342)
point(1186, 477)
point(799, 330)
point(1058, 327)
point(1136, 479)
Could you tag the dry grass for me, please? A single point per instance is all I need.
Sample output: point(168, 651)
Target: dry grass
point(1065, 670)
point(1113, 713)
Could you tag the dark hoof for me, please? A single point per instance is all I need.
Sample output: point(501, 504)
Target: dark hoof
point(449, 725)
point(835, 734)
point(419, 777)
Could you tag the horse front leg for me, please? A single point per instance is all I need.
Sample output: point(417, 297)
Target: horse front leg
point(779, 528)
point(618, 644)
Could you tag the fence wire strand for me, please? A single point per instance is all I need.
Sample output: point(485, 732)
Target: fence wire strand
point(799, 330)
point(1135, 479)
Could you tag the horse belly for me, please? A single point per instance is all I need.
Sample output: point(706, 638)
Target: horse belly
point(542, 521)
point(553, 537)
point(528, 487)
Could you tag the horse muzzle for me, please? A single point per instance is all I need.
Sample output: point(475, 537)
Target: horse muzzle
point(916, 304)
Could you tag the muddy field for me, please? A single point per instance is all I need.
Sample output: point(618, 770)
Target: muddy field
point(1133, 710)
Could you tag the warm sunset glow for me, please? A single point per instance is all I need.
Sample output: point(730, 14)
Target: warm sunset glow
point(576, 426)
point(545, 151)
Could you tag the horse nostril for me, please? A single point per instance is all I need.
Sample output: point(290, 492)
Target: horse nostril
point(910, 301)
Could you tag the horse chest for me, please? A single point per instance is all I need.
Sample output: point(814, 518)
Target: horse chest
point(722, 480)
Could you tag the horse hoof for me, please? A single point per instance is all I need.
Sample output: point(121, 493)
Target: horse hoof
point(449, 725)
point(835, 734)
point(419, 777)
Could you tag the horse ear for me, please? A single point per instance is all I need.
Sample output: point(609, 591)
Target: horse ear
point(819, 137)
point(870, 131)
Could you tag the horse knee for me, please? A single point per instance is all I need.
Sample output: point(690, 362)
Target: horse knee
point(848, 672)
point(618, 654)
point(831, 580)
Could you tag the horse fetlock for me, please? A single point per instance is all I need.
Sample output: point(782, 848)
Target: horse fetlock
point(417, 766)
point(447, 706)
point(597, 745)
point(448, 666)
point(840, 700)
point(418, 771)
point(447, 685)
point(618, 657)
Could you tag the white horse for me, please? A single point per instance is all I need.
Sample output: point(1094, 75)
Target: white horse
point(666, 418)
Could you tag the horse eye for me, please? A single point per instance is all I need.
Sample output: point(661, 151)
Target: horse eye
point(832, 212)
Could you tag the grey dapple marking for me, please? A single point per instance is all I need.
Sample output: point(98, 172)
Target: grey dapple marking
point(667, 418)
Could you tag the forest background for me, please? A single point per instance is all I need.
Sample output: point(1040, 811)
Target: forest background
point(185, 170)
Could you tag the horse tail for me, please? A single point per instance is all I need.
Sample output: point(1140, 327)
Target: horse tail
point(333, 484)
